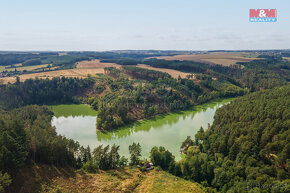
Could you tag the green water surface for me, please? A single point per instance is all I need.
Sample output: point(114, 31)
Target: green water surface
point(78, 122)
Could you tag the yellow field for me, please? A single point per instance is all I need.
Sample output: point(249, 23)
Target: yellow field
point(2, 68)
point(28, 68)
point(173, 73)
point(95, 64)
point(81, 73)
point(223, 58)
point(83, 69)
point(21, 68)
point(287, 58)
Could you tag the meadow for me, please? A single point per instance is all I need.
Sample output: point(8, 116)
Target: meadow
point(72, 110)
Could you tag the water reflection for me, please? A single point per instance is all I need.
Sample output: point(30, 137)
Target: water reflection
point(165, 130)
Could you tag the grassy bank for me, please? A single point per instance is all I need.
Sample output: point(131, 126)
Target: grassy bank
point(42, 178)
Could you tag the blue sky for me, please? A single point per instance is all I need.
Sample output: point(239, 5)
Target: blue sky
point(64, 25)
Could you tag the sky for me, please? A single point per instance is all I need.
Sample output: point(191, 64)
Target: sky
point(100, 25)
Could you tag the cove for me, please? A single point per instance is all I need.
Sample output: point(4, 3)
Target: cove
point(78, 122)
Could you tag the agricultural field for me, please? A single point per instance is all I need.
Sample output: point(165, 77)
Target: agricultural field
point(80, 73)
point(21, 68)
point(287, 58)
point(173, 73)
point(82, 69)
point(95, 64)
point(2, 68)
point(223, 58)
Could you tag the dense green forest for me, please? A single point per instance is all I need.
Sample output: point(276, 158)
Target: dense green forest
point(43, 91)
point(247, 149)
point(27, 137)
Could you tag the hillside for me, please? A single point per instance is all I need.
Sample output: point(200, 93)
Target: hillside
point(247, 148)
point(43, 178)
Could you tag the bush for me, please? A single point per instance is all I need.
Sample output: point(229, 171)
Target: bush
point(5, 181)
point(123, 162)
point(90, 167)
point(158, 168)
point(142, 169)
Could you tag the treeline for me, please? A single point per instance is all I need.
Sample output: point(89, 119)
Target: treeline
point(264, 74)
point(184, 66)
point(106, 158)
point(124, 61)
point(247, 149)
point(43, 91)
point(14, 58)
point(54, 60)
point(115, 56)
point(63, 59)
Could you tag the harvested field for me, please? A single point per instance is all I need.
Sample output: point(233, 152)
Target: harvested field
point(83, 69)
point(2, 68)
point(223, 58)
point(21, 68)
point(81, 73)
point(95, 64)
point(173, 73)
point(28, 68)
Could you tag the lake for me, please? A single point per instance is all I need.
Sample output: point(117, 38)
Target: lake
point(78, 122)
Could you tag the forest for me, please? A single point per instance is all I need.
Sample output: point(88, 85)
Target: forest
point(43, 91)
point(151, 93)
point(27, 137)
point(247, 149)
